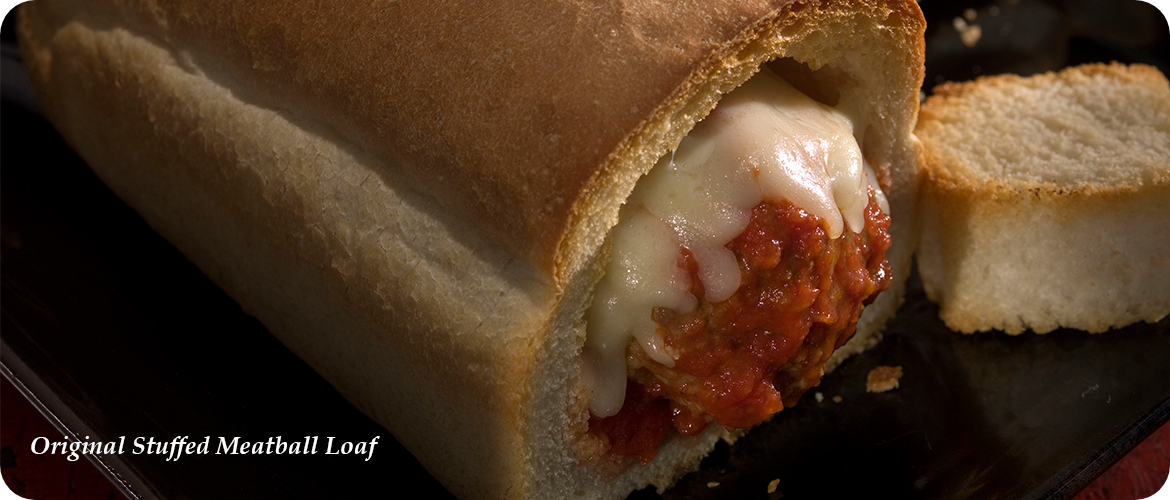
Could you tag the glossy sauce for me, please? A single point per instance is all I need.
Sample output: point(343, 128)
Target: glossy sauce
point(765, 141)
point(740, 360)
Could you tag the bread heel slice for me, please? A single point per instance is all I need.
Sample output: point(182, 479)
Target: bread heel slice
point(1046, 200)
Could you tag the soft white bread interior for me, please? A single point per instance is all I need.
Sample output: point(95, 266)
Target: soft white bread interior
point(1047, 200)
point(414, 198)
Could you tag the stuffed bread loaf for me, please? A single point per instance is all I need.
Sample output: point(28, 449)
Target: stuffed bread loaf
point(418, 199)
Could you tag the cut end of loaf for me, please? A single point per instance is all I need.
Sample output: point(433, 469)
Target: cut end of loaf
point(1044, 200)
point(1097, 126)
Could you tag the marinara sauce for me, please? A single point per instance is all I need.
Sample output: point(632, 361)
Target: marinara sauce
point(739, 361)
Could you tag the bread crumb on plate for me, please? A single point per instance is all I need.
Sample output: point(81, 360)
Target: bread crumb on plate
point(883, 378)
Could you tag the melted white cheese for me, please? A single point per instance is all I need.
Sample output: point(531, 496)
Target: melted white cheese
point(764, 141)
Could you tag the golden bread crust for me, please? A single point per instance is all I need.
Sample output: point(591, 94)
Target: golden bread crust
point(455, 92)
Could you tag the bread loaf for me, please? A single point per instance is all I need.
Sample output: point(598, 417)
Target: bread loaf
point(1046, 200)
point(415, 198)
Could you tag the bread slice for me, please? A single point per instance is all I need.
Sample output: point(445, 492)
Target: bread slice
point(1047, 200)
point(414, 196)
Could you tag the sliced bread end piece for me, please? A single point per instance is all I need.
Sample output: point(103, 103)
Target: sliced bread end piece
point(1046, 200)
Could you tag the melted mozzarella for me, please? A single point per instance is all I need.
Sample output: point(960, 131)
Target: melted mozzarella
point(764, 141)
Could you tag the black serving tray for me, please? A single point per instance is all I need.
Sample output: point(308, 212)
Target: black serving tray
point(111, 332)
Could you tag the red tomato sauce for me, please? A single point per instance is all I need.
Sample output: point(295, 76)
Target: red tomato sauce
point(739, 361)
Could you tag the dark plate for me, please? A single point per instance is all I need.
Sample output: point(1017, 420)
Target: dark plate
point(115, 334)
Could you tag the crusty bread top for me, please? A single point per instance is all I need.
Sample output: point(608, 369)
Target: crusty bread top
point(536, 125)
point(1087, 128)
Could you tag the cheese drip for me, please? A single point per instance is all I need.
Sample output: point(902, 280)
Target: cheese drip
point(764, 141)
